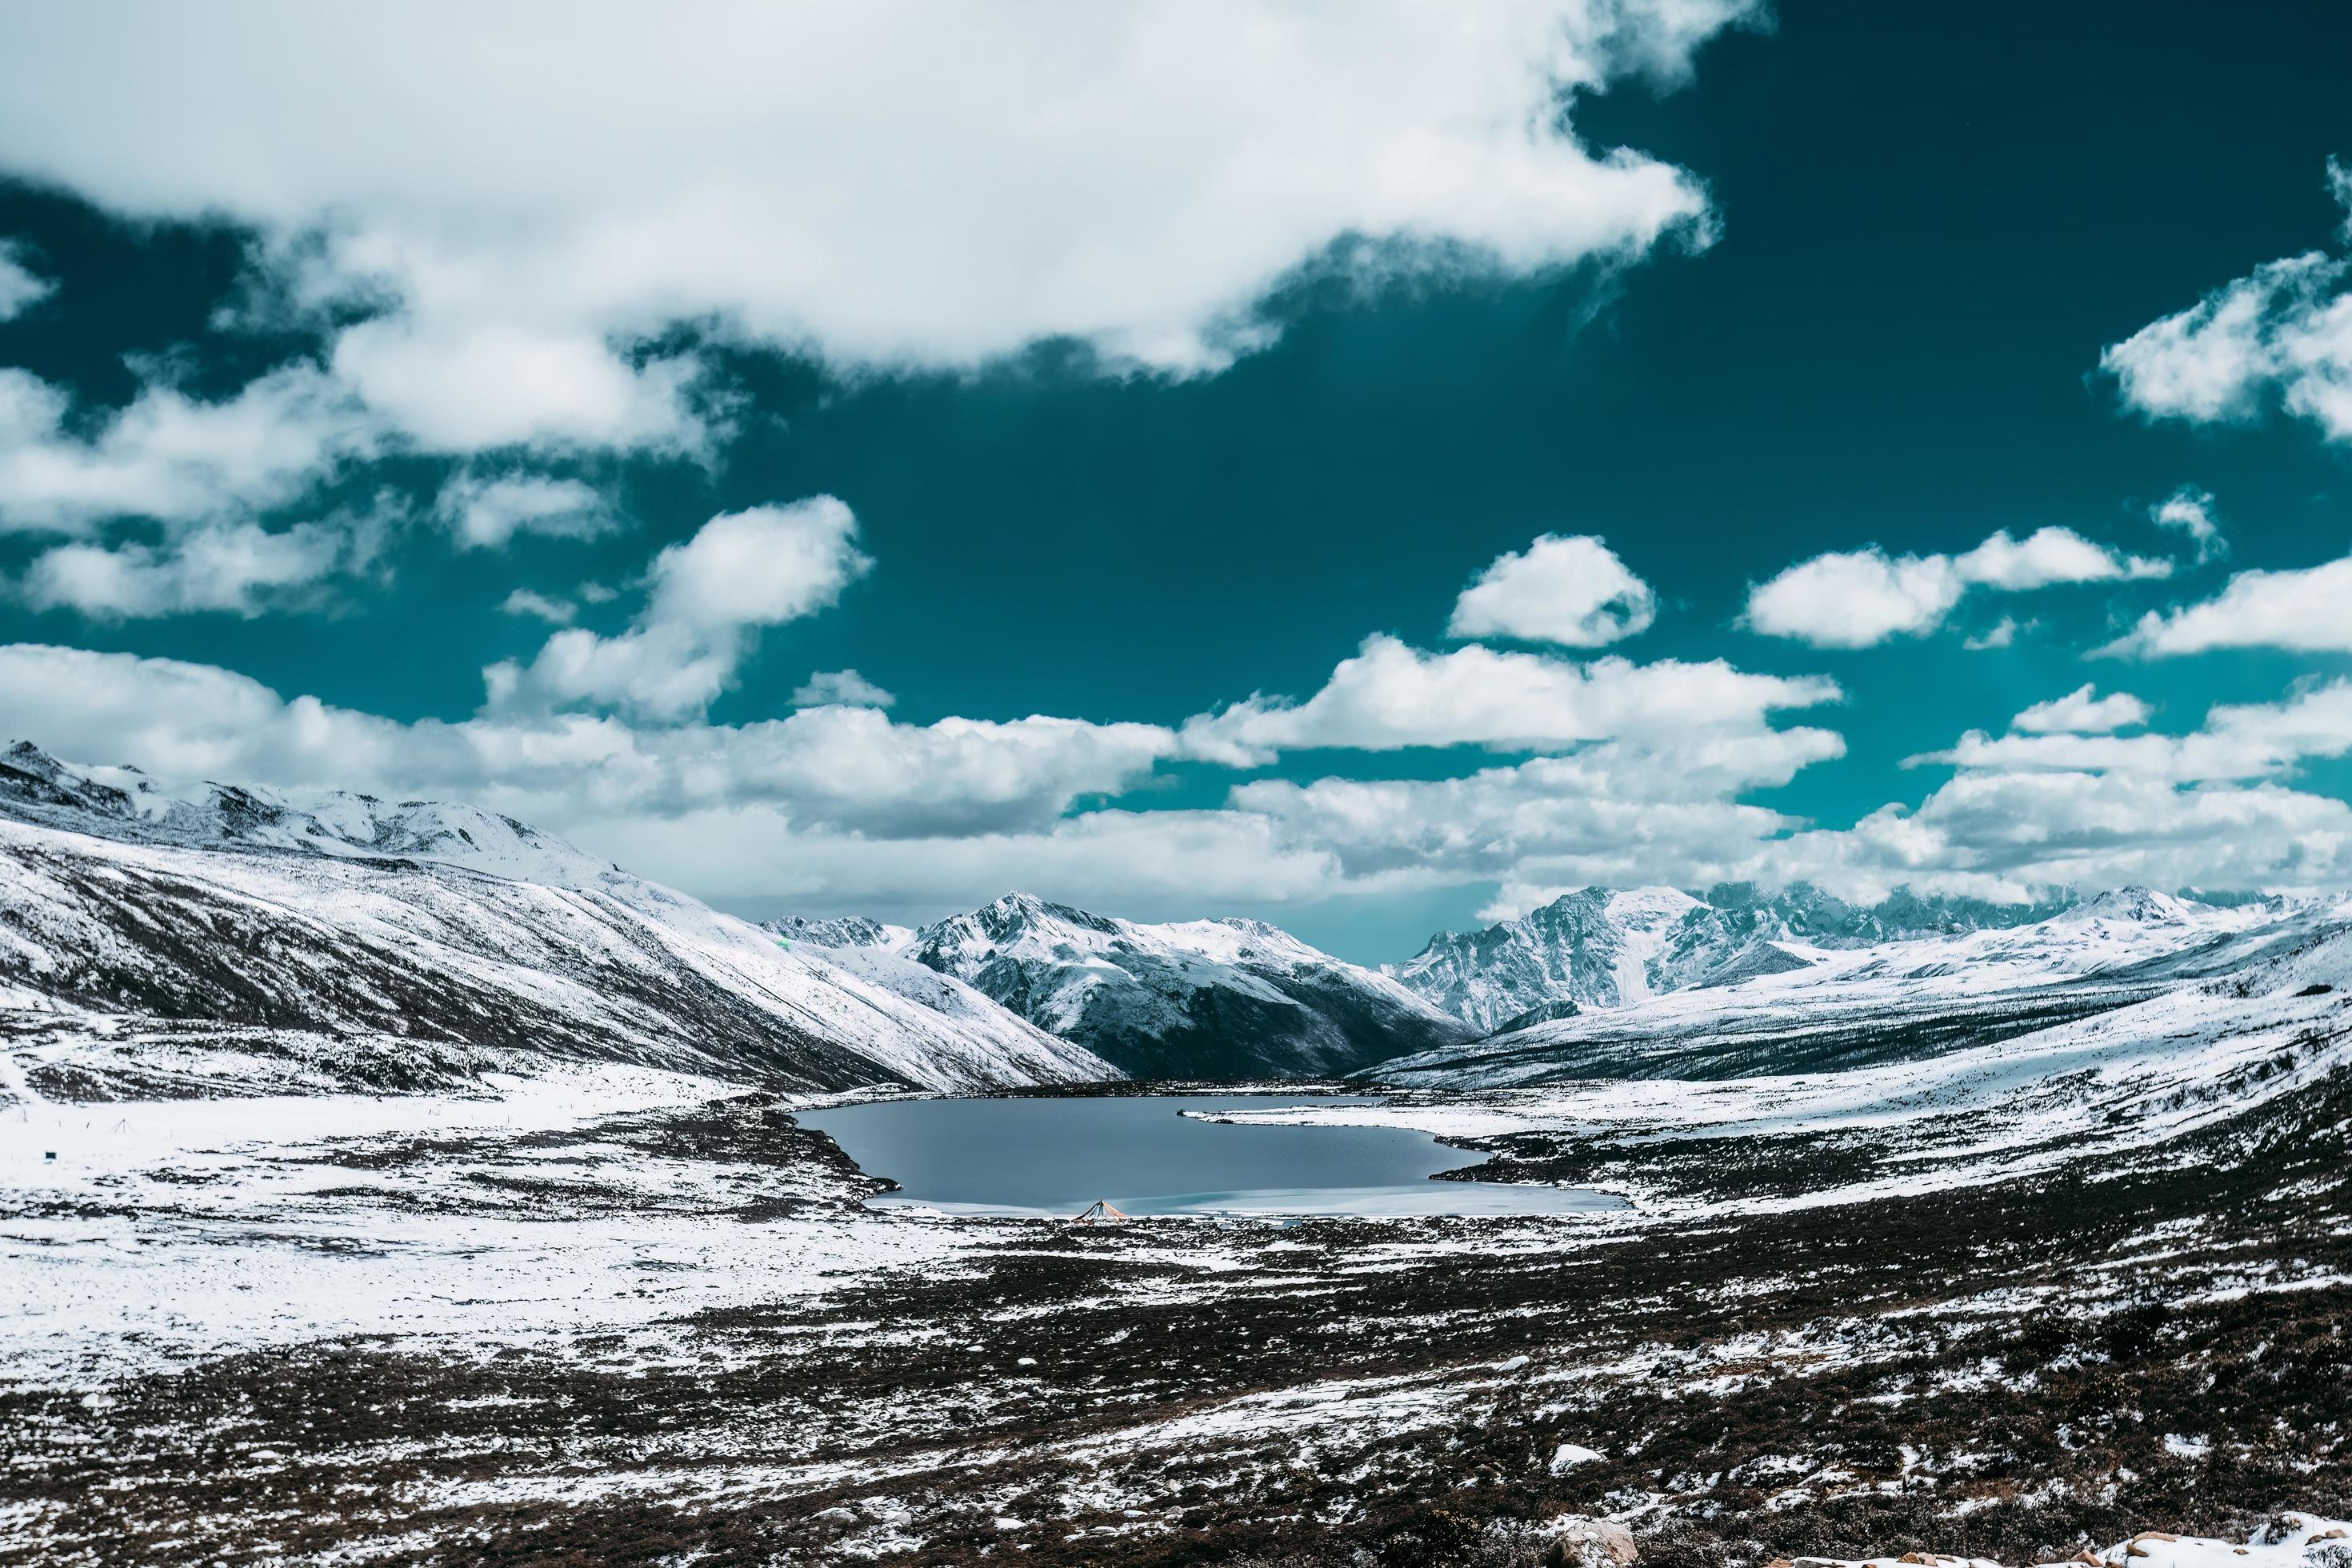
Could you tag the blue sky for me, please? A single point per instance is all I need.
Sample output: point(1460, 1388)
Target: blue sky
point(1372, 469)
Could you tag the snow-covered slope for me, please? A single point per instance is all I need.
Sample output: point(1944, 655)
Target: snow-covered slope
point(1842, 1007)
point(1216, 998)
point(850, 932)
point(220, 939)
point(1606, 947)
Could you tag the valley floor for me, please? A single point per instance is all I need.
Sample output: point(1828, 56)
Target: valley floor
point(603, 1317)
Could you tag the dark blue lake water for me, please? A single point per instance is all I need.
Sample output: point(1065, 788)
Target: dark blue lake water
point(1056, 1156)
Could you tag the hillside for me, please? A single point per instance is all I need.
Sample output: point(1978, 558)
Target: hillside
point(219, 939)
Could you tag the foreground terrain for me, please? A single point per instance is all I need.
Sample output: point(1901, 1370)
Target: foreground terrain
point(611, 1317)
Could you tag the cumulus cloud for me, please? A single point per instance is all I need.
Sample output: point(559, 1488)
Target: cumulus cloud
point(1855, 598)
point(1137, 176)
point(1861, 598)
point(170, 457)
point(2190, 511)
point(709, 596)
point(21, 288)
point(2002, 633)
point(494, 384)
point(1613, 813)
point(2084, 712)
point(2237, 740)
point(2014, 834)
point(487, 511)
point(1152, 865)
point(841, 687)
point(2046, 557)
point(2300, 608)
point(2282, 334)
point(841, 805)
point(836, 770)
point(232, 567)
point(1389, 696)
point(554, 612)
point(1571, 591)
point(2027, 812)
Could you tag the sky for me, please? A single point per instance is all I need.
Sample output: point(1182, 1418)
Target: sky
point(1370, 468)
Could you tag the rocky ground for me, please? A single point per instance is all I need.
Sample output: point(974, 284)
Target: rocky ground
point(666, 1332)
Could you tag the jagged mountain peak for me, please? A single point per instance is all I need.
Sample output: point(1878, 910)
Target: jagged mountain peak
point(1221, 997)
point(1609, 947)
point(840, 931)
point(2144, 905)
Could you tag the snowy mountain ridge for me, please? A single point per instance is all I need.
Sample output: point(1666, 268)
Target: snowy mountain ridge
point(1835, 1008)
point(1224, 997)
point(1607, 948)
point(216, 940)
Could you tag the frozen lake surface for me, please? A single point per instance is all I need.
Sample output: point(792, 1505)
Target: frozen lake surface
point(1056, 1155)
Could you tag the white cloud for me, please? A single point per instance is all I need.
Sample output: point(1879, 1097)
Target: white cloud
point(486, 513)
point(842, 687)
point(491, 384)
point(2083, 712)
point(2237, 740)
point(832, 770)
point(2000, 634)
point(2012, 835)
point(1571, 591)
point(741, 571)
point(1861, 598)
point(1855, 598)
point(2190, 511)
point(1155, 865)
point(2048, 556)
point(234, 567)
point(1390, 696)
point(841, 805)
point(21, 288)
point(2282, 332)
point(2297, 608)
point(554, 612)
point(759, 567)
point(1612, 813)
point(1137, 175)
point(170, 457)
point(2029, 811)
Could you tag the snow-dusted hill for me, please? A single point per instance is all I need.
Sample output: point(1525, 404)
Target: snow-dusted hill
point(1217, 998)
point(1607, 947)
point(219, 940)
point(1835, 1007)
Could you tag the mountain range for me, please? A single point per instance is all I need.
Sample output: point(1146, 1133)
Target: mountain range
point(216, 939)
point(1605, 947)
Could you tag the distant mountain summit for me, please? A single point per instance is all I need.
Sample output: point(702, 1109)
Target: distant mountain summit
point(1611, 947)
point(843, 932)
point(1212, 998)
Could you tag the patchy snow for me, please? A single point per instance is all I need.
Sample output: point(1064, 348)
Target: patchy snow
point(170, 1232)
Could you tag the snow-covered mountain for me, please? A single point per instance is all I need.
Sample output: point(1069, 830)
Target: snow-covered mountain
point(1215, 998)
point(1913, 998)
point(1607, 947)
point(161, 942)
point(852, 931)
